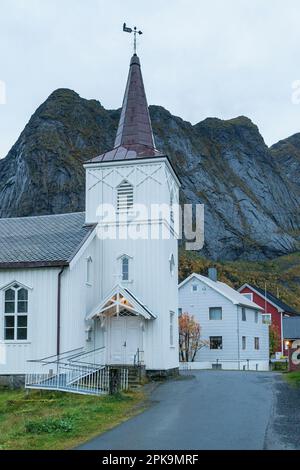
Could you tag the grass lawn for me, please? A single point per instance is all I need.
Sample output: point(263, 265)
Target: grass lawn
point(54, 420)
point(293, 378)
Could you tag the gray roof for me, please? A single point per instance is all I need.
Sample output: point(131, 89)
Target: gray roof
point(291, 327)
point(48, 240)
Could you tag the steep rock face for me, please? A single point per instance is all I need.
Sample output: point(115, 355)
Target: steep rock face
point(251, 199)
point(287, 155)
point(43, 172)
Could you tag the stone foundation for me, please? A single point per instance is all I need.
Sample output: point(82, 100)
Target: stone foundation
point(162, 374)
point(12, 381)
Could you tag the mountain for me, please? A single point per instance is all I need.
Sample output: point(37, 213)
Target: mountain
point(251, 193)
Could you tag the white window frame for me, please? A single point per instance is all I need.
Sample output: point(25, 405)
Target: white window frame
point(247, 294)
point(213, 319)
point(244, 343)
point(172, 264)
point(89, 279)
point(192, 288)
point(258, 343)
point(120, 268)
point(264, 315)
point(244, 311)
point(128, 208)
point(210, 339)
point(16, 314)
point(256, 316)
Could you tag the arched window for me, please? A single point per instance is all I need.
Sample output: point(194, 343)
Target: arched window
point(15, 313)
point(172, 264)
point(124, 197)
point(125, 268)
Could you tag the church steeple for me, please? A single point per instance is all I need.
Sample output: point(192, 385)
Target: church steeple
point(135, 130)
point(134, 138)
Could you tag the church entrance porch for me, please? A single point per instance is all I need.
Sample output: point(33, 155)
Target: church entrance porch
point(122, 317)
point(124, 339)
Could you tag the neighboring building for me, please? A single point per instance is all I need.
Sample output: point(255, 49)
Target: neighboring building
point(273, 310)
point(231, 323)
point(63, 288)
point(291, 331)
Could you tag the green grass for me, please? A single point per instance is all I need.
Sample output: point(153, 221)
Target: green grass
point(293, 378)
point(53, 420)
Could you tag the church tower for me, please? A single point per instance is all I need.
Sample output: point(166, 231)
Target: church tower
point(128, 190)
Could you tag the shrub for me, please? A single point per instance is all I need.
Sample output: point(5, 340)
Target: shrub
point(49, 425)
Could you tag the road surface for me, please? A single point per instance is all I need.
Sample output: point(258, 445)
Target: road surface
point(205, 410)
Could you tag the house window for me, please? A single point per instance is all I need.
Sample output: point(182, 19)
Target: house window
point(248, 296)
point(89, 270)
point(256, 343)
point(15, 313)
point(267, 318)
point(256, 316)
point(172, 264)
point(124, 197)
point(171, 328)
point(244, 342)
point(125, 269)
point(215, 313)
point(244, 317)
point(179, 312)
point(215, 342)
point(194, 288)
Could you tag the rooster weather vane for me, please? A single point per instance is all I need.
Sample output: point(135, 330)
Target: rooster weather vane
point(134, 31)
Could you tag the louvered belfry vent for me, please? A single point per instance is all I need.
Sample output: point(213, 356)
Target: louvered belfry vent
point(125, 197)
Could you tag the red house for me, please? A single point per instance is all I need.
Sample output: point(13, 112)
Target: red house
point(274, 310)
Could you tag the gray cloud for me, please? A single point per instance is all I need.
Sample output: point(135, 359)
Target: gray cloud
point(200, 58)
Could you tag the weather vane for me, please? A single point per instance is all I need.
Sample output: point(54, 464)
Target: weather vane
point(134, 31)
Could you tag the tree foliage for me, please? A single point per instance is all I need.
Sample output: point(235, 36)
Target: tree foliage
point(274, 338)
point(190, 341)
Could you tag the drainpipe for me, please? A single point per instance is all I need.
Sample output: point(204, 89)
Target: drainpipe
point(238, 334)
point(281, 326)
point(58, 310)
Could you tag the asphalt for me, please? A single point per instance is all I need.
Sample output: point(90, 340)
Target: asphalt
point(207, 410)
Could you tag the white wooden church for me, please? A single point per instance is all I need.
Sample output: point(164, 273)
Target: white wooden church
point(74, 303)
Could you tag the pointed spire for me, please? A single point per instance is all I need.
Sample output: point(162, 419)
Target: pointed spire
point(135, 130)
point(134, 137)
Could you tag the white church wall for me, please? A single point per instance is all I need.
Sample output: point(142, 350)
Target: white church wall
point(41, 341)
point(150, 278)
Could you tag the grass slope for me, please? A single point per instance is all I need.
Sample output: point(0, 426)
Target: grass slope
point(282, 274)
point(53, 420)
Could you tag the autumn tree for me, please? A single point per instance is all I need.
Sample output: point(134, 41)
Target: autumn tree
point(190, 341)
point(274, 338)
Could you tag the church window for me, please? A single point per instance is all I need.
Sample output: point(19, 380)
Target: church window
point(172, 315)
point(89, 271)
point(172, 264)
point(124, 197)
point(15, 313)
point(125, 268)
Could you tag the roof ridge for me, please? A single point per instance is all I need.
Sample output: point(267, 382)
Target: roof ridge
point(40, 216)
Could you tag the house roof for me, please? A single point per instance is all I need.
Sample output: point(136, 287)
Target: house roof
point(291, 327)
point(282, 306)
point(48, 240)
point(231, 294)
point(134, 138)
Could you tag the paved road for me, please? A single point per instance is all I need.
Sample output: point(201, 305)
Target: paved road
point(209, 410)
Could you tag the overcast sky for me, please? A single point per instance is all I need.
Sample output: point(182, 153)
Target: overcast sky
point(200, 58)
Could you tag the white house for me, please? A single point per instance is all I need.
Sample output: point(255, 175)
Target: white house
point(235, 335)
point(72, 293)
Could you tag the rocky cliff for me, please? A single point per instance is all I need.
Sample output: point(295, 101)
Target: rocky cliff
point(251, 193)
